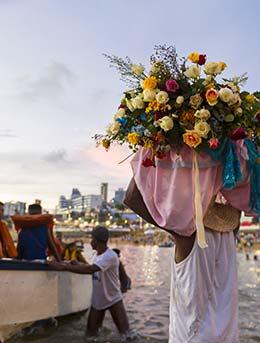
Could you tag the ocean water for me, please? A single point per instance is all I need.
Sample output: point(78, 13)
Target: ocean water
point(147, 303)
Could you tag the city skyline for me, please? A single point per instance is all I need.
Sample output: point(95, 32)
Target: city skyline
point(57, 90)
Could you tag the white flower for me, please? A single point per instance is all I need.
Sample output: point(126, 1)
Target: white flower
point(192, 72)
point(238, 111)
point(137, 69)
point(130, 105)
point(202, 128)
point(137, 102)
point(166, 123)
point(162, 97)
point(235, 100)
point(203, 114)
point(113, 128)
point(149, 95)
point(180, 100)
point(226, 94)
point(211, 68)
point(120, 113)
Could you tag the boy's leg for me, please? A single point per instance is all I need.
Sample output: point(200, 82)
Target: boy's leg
point(119, 316)
point(95, 321)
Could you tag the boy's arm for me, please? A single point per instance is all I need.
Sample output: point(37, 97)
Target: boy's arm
point(80, 268)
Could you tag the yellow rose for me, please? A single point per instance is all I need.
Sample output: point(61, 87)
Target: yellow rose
point(202, 128)
point(162, 97)
point(226, 94)
point(203, 114)
point(133, 138)
point(149, 95)
point(191, 138)
point(211, 68)
point(195, 101)
point(166, 123)
point(194, 57)
point(192, 72)
point(149, 83)
point(212, 96)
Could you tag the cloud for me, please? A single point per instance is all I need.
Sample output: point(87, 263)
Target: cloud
point(50, 85)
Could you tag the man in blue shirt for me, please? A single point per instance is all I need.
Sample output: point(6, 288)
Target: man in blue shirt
point(33, 242)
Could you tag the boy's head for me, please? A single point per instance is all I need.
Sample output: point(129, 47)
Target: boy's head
point(100, 236)
point(35, 209)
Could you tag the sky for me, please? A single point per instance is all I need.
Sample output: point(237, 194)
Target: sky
point(57, 90)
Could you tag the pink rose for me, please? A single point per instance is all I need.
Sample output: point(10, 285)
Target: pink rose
point(172, 85)
point(213, 143)
point(238, 133)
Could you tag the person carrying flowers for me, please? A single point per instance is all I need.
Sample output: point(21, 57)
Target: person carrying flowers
point(196, 166)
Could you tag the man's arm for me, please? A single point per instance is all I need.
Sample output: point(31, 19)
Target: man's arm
point(79, 268)
point(52, 247)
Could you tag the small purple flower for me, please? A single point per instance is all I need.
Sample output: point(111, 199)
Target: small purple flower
point(258, 117)
point(172, 85)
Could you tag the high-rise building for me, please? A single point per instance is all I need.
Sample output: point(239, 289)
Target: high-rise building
point(92, 201)
point(119, 196)
point(75, 193)
point(104, 190)
point(63, 202)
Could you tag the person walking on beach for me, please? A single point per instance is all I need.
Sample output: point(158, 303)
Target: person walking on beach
point(106, 286)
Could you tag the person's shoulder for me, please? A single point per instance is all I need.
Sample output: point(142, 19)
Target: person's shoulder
point(110, 254)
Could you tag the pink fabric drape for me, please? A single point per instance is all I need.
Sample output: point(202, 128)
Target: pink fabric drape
point(167, 190)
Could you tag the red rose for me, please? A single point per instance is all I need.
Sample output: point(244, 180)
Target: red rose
point(202, 60)
point(160, 155)
point(213, 143)
point(238, 133)
point(148, 163)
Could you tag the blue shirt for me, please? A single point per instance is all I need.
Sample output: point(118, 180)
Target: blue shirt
point(33, 243)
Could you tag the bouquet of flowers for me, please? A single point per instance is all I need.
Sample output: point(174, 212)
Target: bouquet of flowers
point(180, 101)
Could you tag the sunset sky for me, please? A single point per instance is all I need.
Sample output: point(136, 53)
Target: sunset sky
point(57, 90)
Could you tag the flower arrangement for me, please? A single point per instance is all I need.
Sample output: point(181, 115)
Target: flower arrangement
point(180, 101)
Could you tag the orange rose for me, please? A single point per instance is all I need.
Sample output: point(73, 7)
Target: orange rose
point(212, 96)
point(150, 83)
point(191, 138)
